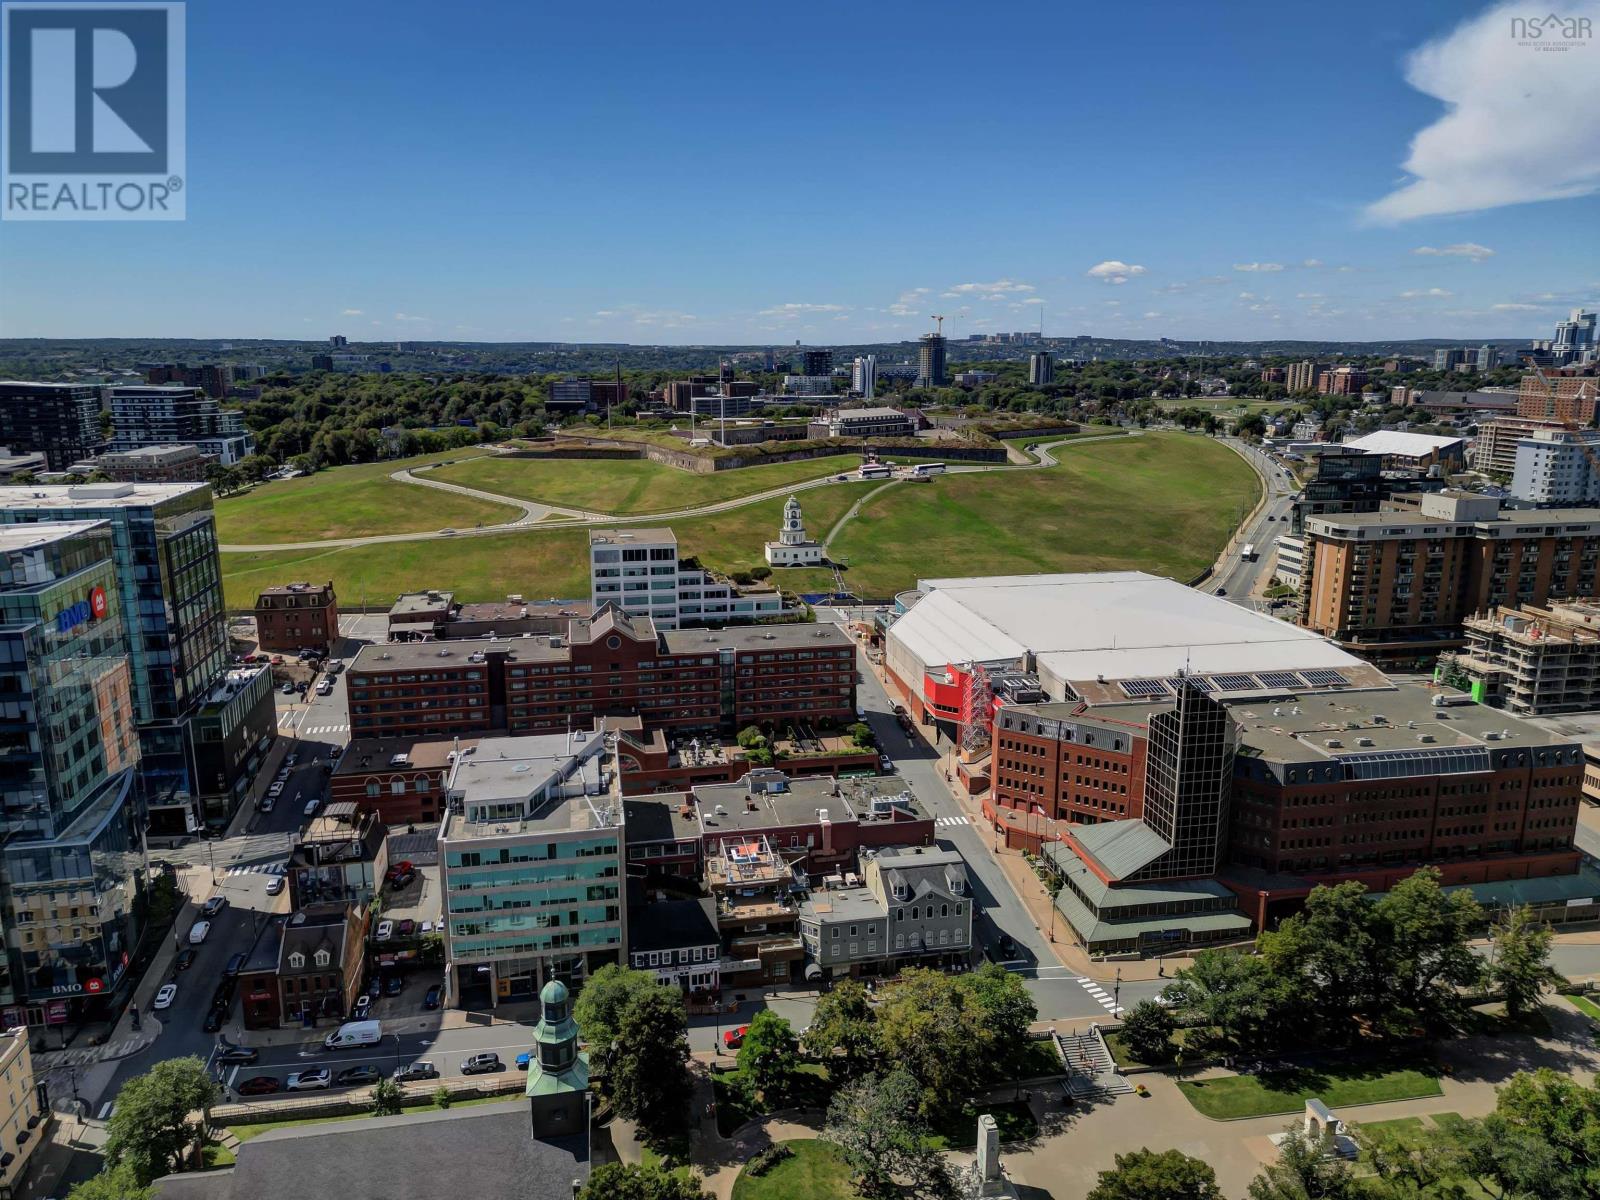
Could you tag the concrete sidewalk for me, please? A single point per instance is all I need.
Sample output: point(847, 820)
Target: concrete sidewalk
point(425, 1022)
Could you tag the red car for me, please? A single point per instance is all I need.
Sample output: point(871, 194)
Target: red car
point(403, 867)
point(259, 1085)
point(734, 1038)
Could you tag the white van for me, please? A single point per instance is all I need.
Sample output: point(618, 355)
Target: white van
point(353, 1034)
point(198, 931)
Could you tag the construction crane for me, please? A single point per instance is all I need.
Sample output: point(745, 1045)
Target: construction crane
point(939, 328)
point(1571, 427)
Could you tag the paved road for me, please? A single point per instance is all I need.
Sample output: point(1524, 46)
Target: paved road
point(1240, 579)
point(579, 518)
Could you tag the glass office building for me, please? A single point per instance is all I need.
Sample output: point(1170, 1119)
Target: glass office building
point(169, 580)
point(73, 869)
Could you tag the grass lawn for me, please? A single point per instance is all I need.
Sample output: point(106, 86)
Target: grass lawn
point(255, 1129)
point(1233, 1096)
point(350, 502)
point(1030, 1060)
point(1014, 1119)
point(814, 1172)
point(1181, 1039)
point(538, 562)
point(630, 486)
point(1163, 503)
point(1586, 1006)
point(217, 1156)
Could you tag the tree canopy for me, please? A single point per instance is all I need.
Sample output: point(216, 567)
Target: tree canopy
point(150, 1130)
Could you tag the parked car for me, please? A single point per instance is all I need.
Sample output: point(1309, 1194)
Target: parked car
point(275, 885)
point(243, 1055)
point(417, 1070)
point(214, 1020)
point(165, 997)
point(324, 686)
point(404, 867)
point(524, 1059)
point(287, 689)
point(235, 964)
point(291, 759)
point(275, 788)
point(400, 882)
point(259, 1085)
point(334, 666)
point(310, 1081)
point(431, 1000)
point(214, 905)
point(734, 1038)
point(198, 931)
point(311, 806)
point(223, 997)
point(375, 986)
point(393, 985)
point(283, 773)
point(406, 927)
point(482, 1064)
point(361, 1008)
point(385, 930)
point(185, 959)
point(266, 805)
point(358, 1076)
point(885, 763)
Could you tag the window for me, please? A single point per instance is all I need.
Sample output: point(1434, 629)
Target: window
point(321, 957)
point(296, 961)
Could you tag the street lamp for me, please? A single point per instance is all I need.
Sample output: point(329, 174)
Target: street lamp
point(1116, 993)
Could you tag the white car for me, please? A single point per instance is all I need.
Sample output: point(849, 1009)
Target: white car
point(324, 686)
point(886, 763)
point(276, 789)
point(165, 997)
point(385, 930)
point(265, 805)
point(334, 666)
point(312, 806)
point(198, 931)
point(290, 759)
point(309, 1081)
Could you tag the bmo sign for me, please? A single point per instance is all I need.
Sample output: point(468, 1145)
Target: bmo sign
point(90, 608)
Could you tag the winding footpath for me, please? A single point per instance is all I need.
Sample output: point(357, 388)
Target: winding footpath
point(548, 516)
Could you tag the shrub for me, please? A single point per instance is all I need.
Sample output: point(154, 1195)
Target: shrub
point(765, 1160)
point(441, 1096)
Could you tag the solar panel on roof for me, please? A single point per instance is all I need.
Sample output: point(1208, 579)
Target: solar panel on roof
point(1234, 683)
point(1324, 677)
point(1280, 679)
point(1199, 681)
point(1144, 689)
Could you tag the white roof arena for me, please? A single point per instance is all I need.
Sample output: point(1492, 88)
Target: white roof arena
point(1115, 624)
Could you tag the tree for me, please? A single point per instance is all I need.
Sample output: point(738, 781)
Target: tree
point(751, 737)
point(599, 1007)
point(767, 1056)
point(150, 1130)
point(1423, 932)
point(925, 1027)
point(1304, 1172)
point(1147, 1030)
point(861, 733)
point(877, 1125)
point(1156, 1175)
point(1000, 1006)
point(626, 1181)
point(1521, 960)
point(647, 1068)
point(386, 1098)
point(24, 477)
point(114, 1183)
point(1330, 946)
point(843, 1031)
point(1235, 992)
point(1541, 1110)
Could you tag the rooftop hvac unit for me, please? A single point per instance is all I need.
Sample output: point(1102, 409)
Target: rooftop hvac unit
point(1333, 743)
point(1363, 741)
point(1424, 737)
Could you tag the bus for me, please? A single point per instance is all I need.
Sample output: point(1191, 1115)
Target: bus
point(873, 471)
point(923, 470)
point(1249, 552)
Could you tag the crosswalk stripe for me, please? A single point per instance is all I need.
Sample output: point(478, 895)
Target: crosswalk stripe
point(953, 821)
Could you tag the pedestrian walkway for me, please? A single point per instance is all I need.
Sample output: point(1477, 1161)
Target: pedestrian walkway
point(953, 821)
point(318, 729)
point(1103, 997)
point(85, 1056)
point(258, 869)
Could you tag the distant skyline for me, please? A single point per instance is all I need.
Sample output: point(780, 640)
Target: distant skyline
point(719, 173)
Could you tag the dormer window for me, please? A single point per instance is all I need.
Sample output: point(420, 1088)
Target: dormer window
point(322, 957)
point(296, 961)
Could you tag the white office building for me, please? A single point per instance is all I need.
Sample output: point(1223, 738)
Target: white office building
point(1558, 467)
point(638, 570)
point(864, 376)
point(808, 385)
point(1291, 561)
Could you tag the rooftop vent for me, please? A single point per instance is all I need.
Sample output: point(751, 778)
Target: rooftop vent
point(1333, 743)
point(1363, 741)
point(1424, 737)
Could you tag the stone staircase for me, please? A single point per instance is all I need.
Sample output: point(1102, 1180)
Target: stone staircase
point(1091, 1073)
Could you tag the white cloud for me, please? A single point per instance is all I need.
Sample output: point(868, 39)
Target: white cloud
point(1509, 133)
point(1173, 288)
point(1151, 316)
point(1516, 307)
point(1433, 293)
point(1114, 271)
point(1311, 263)
point(792, 309)
point(1308, 295)
point(1247, 295)
point(1258, 266)
point(998, 287)
point(351, 312)
point(410, 317)
point(1470, 250)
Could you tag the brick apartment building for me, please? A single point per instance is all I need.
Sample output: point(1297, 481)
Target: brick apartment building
point(298, 616)
point(1559, 397)
point(401, 779)
point(1342, 381)
point(610, 664)
point(1398, 585)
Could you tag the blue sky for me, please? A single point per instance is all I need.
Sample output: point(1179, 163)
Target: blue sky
point(833, 172)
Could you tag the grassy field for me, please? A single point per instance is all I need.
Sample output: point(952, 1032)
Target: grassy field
point(540, 562)
point(625, 486)
point(1160, 502)
point(1233, 1096)
point(350, 502)
point(245, 1132)
point(1586, 1006)
point(814, 1172)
